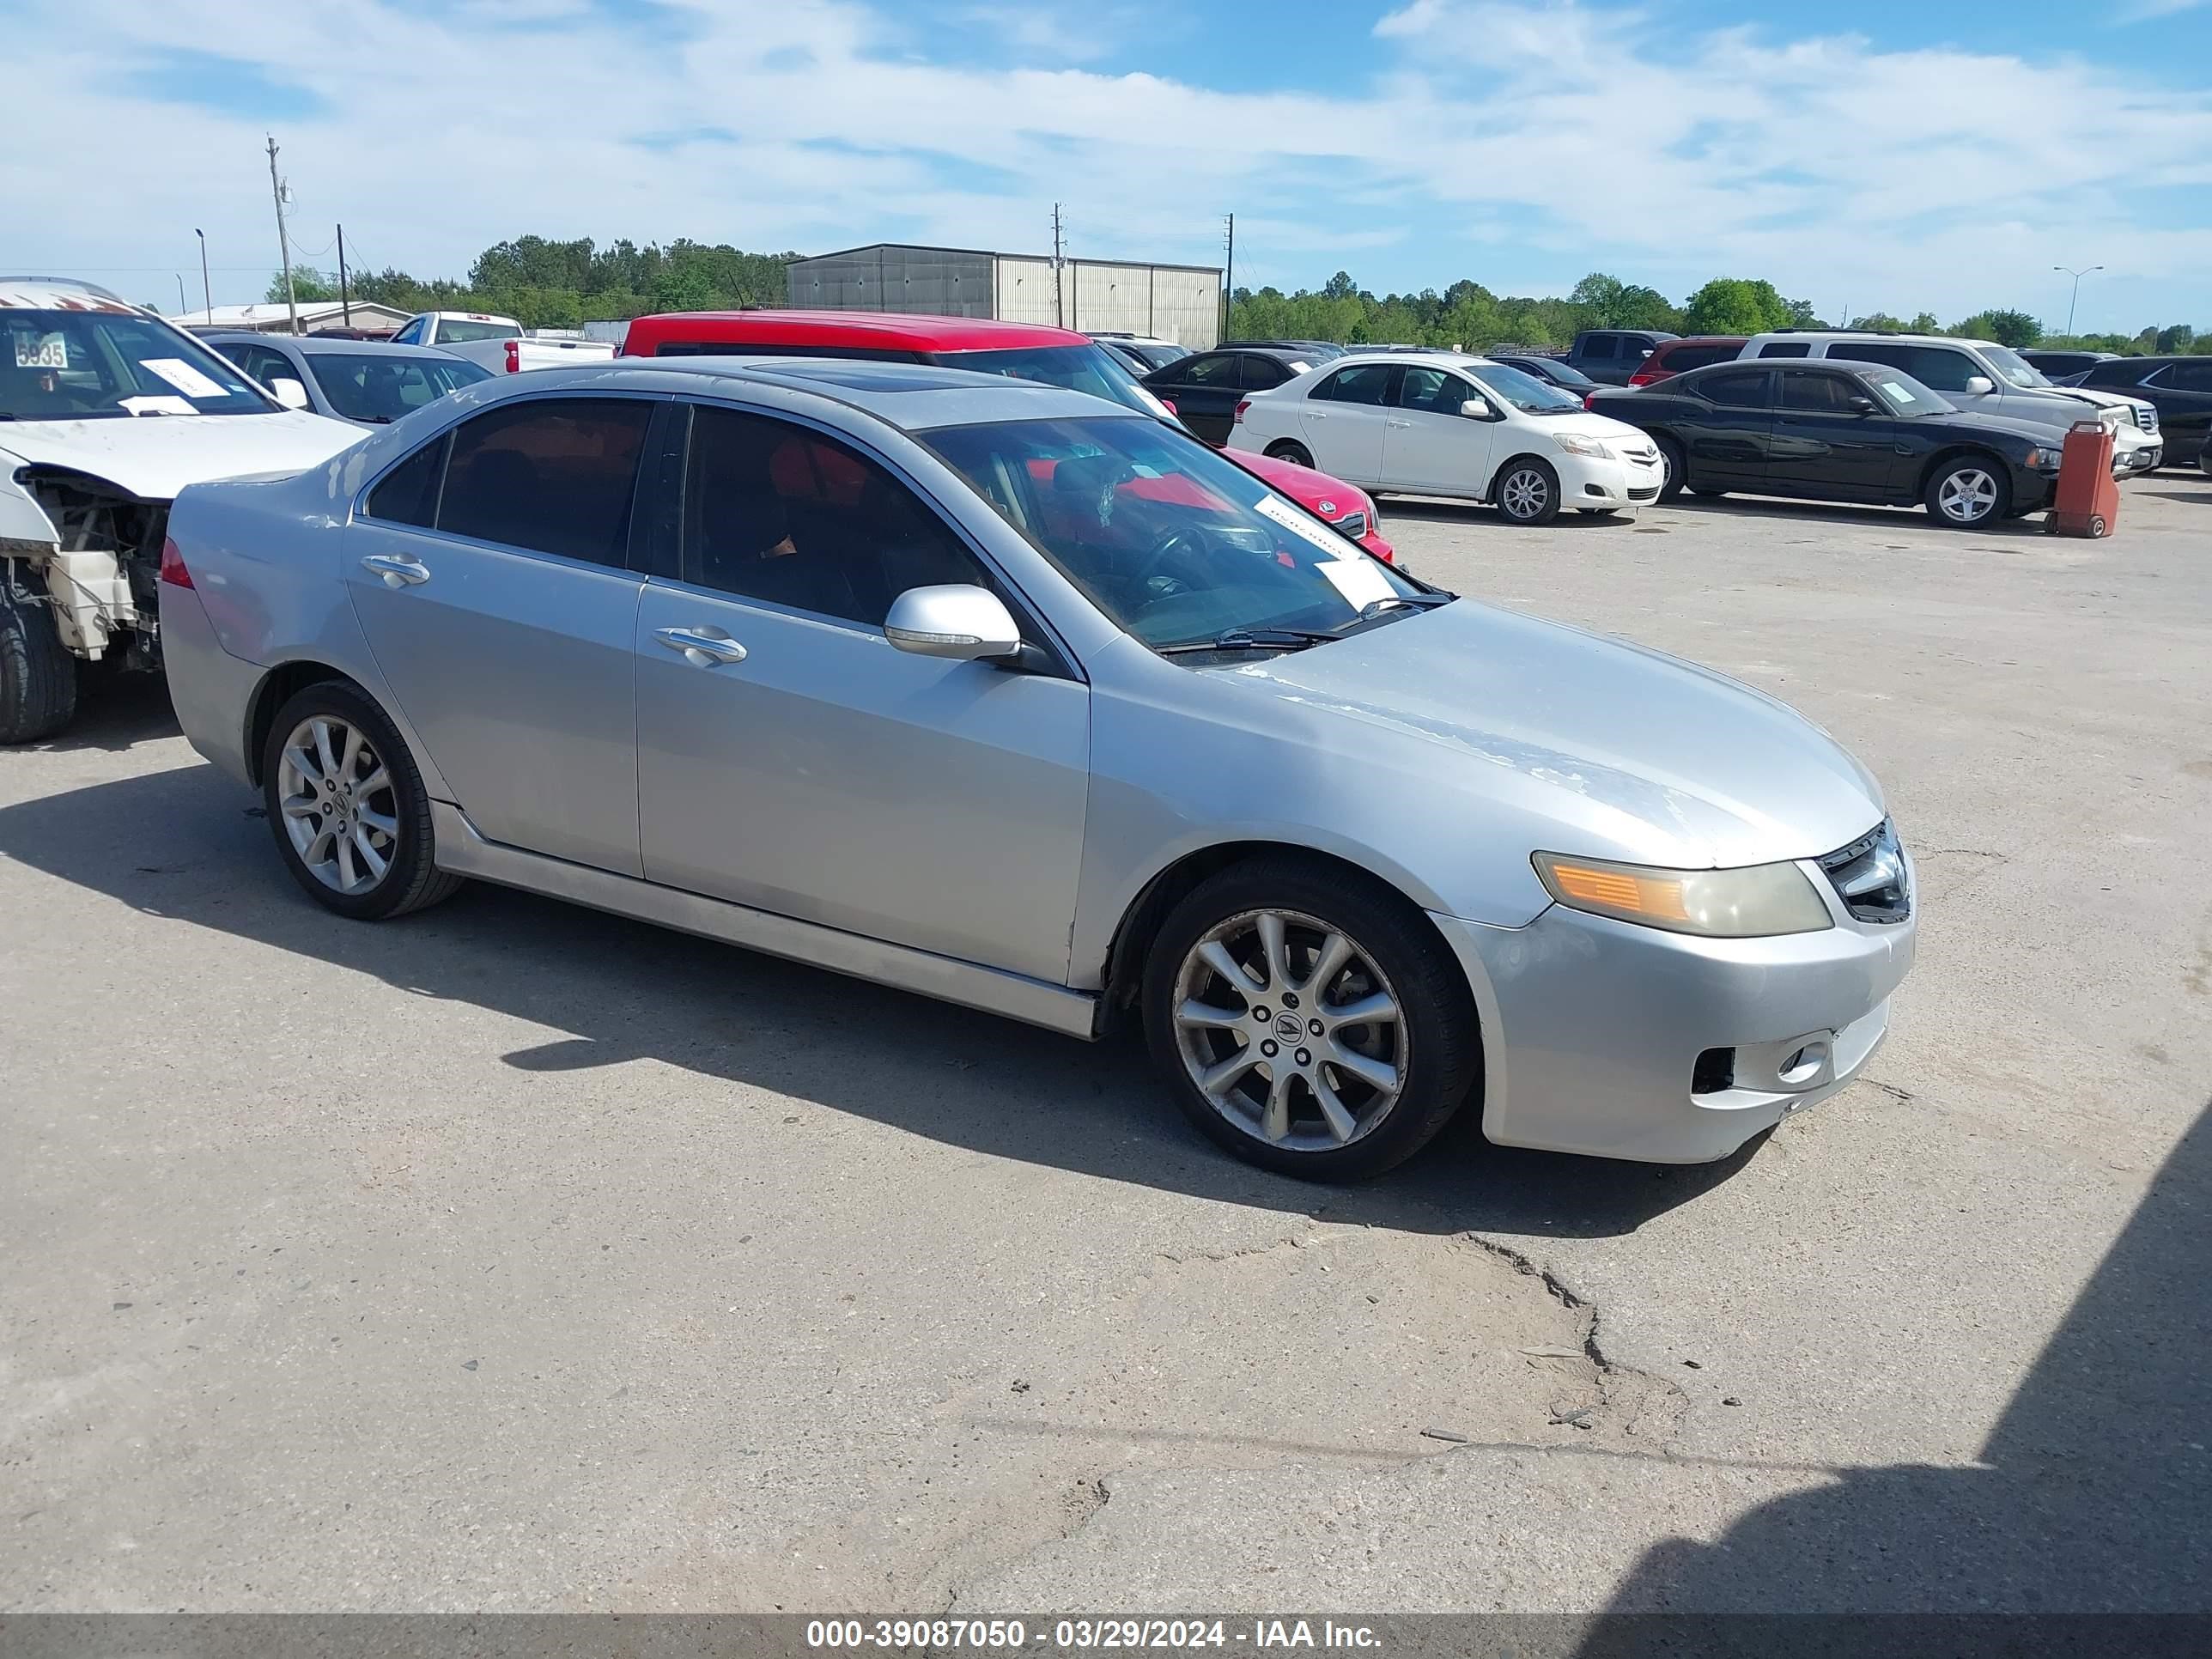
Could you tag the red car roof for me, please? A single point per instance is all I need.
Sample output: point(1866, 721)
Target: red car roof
point(886, 331)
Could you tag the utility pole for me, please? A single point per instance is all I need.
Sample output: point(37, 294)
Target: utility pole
point(345, 305)
point(1057, 318)
point(1229, 280)
point(2077, 275)
point(181, 307)
point(207, 297)
point(283, 243)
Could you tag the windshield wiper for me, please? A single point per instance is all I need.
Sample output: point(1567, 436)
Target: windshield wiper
point(1252, 639)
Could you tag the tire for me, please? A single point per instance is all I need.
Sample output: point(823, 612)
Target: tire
point(2098, 527)
point(1431, 1055)
point(38, 672)
point(1675, 470)
point(1969, 481)
point(1291, 451)
point(1599, 512)
point(1527, 491)
point(396, 812)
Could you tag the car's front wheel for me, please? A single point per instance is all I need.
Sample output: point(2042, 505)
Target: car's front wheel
point(1968, 493)
point(38, 675)
point(1528, 491)
point(348, 807)
point(1309, 1022)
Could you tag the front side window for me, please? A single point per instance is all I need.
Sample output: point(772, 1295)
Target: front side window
point(553, 475)
point(1598, 348)
point(1744, 389)
point(1938, 367)
point(1826, 394)
point(1433, 391)
point(80, 365)
point(783, 514)
point(1174, 545)
point(2013, 369)
point(1218, 370)
point(363, 386)
point(1362, 383)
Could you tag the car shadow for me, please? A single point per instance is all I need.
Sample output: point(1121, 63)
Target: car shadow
point(115, 711)
point(1884, 518)
point(2094, 1495)
point(623, 991)
point(2175, 494)
point(1439, 510)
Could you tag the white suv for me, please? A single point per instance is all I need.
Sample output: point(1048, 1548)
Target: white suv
point(1440, 423)
point(1984, 377)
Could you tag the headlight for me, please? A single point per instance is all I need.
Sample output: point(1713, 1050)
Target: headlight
point(1575, 444)
point(1374, 513)
point(2042, 458)
point(1754, 902)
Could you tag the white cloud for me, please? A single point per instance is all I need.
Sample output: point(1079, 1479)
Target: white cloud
point(1521, 143)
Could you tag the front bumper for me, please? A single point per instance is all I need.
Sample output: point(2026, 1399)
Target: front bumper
point(1593, 1029)
point(1587, 481)
point(2126, 463)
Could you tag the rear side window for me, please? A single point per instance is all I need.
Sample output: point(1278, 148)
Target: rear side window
point(783, 514)
point(1683, 358)
point(1264, 373)
point(1362, 383)
point(1787, 349)
point(409, 493)
point(1745, 390)
point(1597, 347)
point(554, 475)
point(2185, 377)
point(1221, 369)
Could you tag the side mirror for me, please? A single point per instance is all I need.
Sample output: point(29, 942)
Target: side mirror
point(289, 391)
point(1475, 410)
point(1859, 404)
point(957, 622)
point(1979, 386)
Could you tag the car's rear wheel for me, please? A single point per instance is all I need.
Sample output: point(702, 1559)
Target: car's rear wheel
point(1968, 493)
point(348, 807)
point(1675, 471)
point(1528, 491)
point(1311, 1023)
point(1289, 450)
point(38, 674)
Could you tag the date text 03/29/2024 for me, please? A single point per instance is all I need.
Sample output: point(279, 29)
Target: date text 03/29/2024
point(1009, 1635)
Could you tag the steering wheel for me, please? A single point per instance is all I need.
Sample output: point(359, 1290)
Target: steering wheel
point(1145, 580)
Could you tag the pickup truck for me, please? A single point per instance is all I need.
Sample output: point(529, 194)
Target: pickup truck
point(499, 343)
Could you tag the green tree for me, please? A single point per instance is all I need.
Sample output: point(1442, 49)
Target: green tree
point(1924, 322)
point(307, 283)
point(2179, 339)
point(2007, 328)
point(1737, 305)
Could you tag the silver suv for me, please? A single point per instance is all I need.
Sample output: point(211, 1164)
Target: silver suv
point(1982, 376)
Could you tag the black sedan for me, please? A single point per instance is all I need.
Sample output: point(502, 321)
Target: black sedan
point(1832, 431)
point(2181, 387)
point(1206, 386)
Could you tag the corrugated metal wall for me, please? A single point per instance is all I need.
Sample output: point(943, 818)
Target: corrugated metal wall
point(934, 282)
point(1170, 302)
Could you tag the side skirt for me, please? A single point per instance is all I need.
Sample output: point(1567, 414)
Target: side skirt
point(464, 852)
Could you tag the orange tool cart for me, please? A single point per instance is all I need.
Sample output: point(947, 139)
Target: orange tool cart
point(2087, 501)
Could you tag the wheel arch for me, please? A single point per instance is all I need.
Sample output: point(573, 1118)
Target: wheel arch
point(1490, 489)
point(278, 687)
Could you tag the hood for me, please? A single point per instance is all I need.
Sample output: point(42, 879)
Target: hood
point(155, 456)
point(1636, 754)
point(1592, 424)
point(1300, 484)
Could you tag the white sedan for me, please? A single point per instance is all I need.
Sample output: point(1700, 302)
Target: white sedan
point(1444, 424)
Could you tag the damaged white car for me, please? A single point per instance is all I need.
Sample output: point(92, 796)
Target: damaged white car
point(106, 411)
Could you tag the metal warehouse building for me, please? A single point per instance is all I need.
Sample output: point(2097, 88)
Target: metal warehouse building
point(1181, 303)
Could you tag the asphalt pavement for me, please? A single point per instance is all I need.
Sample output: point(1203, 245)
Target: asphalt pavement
point(516, 1257)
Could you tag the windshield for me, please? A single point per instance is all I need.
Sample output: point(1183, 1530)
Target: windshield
point(80, 364)
point(1175, 544)
point(1091, 369)
point(451, 330)
point(2015, 369)
point(369, 386)
point(1905, 395)
point(1524, 391)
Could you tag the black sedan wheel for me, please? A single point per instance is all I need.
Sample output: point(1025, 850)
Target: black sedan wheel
point(1969, 493)
point(1673, 469)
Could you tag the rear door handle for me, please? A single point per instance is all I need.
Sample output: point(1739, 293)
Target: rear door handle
point(397, 572)
point(1397, 423)
point(700, 649)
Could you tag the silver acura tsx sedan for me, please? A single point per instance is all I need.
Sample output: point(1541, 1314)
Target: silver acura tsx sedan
point(998, 693)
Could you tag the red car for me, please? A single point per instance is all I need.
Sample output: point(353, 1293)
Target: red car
point(1672, 357)
point(1023, 351)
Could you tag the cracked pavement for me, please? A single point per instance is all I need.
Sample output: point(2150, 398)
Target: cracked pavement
point(518, 1257)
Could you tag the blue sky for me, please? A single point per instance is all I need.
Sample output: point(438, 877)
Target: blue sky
point(1935, 155)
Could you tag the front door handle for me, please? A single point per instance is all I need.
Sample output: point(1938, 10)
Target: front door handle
point(1397, 423)
point(397, 571)
point(699, 648)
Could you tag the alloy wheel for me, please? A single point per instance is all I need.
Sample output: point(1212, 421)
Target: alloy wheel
point(1524, 493)
point(1967, 496)
point(339, 811)
point(1290, 1030)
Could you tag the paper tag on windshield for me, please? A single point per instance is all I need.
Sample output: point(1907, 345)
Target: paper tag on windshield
point(1358, 580)
point(1300, 525)
point(164, 404)
point(41, 351)
point(183, 376)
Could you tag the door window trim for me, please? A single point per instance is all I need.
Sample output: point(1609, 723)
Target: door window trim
point(665, 560)
point(634, 550)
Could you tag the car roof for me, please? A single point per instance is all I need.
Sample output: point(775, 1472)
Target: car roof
point(912, 397)
point(883, 330)
point(62, 293)
point(1868, 334)
point(322, 345)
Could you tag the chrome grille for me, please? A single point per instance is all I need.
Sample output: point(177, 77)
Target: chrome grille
point(1869, 876)
point(2146, 416)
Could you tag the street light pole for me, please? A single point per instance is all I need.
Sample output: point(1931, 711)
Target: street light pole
point(2077, 275)
point(207, 298)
